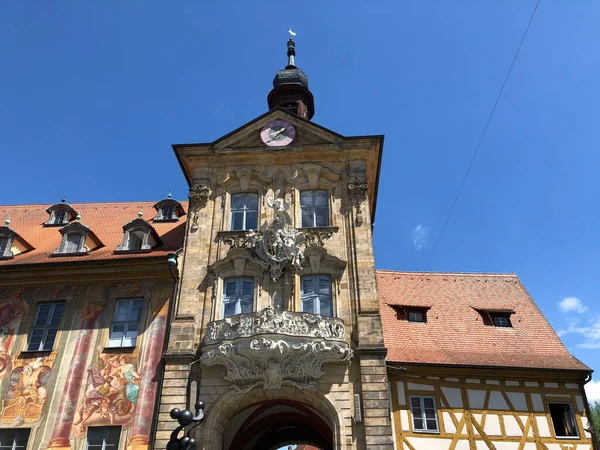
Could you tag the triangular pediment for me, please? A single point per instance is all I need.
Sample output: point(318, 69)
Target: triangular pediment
point(307, 133)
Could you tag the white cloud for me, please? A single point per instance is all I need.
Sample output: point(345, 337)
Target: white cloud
point(590, 331)
point(419, 236)
point(592, 390)
point(569, 304)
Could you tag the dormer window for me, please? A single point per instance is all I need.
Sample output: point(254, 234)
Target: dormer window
point(168, 210)
point(416, 315)
point(138, 236)
point(501, 320)
point(496, 315)
point(11, 243)
point(60, 214)
point(415, 312)
point(77, 239)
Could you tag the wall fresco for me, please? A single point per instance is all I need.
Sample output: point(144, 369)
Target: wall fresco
point(111, 394)
point(27, 391)
point(11, 312)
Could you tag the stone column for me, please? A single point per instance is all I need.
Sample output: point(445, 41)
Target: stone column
point(76, 379)
point(142, 423)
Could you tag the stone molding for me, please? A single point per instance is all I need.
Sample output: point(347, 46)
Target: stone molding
point(273, 348)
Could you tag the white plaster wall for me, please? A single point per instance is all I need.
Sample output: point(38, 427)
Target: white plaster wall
point(476, 418)
point(551, 384)
point(518, 400)
point(571, 385)
point(448, 424)
point(420, 387)
point(543, 428)
point(401, 395)
point(579, 401)
point(476, 398)
point(473, 380)
point(404, 420)
point(497, 401)
point(512, 383)
point(531, 383)
point(423, 443)
point(506, 445)
point(462, 445)
point(492, 425)
point(536, 401)
point(492, 381)
point(453, 396)
point(511, 426)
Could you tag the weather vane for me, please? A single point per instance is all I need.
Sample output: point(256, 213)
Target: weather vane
point(292, 34)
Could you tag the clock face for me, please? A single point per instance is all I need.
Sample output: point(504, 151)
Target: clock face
point(278, 133)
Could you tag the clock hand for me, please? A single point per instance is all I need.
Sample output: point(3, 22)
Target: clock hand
point(279, 132)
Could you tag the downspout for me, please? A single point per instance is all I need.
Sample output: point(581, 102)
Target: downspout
point(172, 262)
point(588, 414)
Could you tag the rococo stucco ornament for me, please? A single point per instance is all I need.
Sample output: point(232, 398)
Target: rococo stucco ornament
point(358, 191)
point(272, 348)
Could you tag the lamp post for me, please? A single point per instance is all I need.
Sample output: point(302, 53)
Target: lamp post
point(185, 418)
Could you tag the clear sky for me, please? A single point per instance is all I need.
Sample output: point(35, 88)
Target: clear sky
point(93, 94)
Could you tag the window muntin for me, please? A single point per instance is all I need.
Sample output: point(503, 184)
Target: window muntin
point(563, 419)
point(244, 211)
point(416, 316)
point(316, 294)
point(501, 321)
point(45, 326)
point(238, 296)
point(314, 206)
point(58, 217)
point(168, 213)
point(15, 439)
point(424, 414)
point(103, 438)
point(126, 322)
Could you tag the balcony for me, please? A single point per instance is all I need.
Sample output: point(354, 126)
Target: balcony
point(271, 348)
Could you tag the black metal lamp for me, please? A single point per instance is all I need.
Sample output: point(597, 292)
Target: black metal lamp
point(185, 418)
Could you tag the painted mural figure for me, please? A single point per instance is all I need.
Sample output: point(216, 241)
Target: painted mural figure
point(112, 393)
point(11, 311)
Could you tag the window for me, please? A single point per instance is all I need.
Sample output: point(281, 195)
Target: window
point(134, 240)
point(168, 213)
point(4, 245)
point(316, 294)
point(501, 320)
point(238, 296)
point(424, 414)
point(126, 321)
point(45, 326)
point(58, 217)
point(315, 208)
point(563, 420)
point(14, 439)
point(72, 243)
point(416, 316)
point(244, 211)
point(103, 438)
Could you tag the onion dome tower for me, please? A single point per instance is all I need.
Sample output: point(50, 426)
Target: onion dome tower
point(290, 87)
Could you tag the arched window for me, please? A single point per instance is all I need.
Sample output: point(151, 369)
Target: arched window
point(316, 294)
point(72, 243)
point(134, 240)
point(315, 208)
point(244, 211)
point(238, 296)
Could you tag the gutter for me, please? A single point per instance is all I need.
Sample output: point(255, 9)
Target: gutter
point(162, 365)
point(588, 414)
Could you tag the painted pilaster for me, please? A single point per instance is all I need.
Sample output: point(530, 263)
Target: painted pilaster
point(77, 373)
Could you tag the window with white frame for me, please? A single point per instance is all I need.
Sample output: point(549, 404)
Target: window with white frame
point(563, 419)
point(126, 322)
point(14, 439)
point(316, 294)
point(135, 240)
point(168, 213)
point(103, 438)
point(314, 206)
point(238, 296)
point(72, 243)
point(424, 414)
point(59, 217)
point(244, 211)
point(45, 326)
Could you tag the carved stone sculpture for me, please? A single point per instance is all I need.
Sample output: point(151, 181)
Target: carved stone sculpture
point(272, 348)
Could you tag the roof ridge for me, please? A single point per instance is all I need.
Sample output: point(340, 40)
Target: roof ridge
point(90, 203)
point(402, 272)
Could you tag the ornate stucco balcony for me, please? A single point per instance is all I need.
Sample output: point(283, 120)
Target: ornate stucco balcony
point(271, 348)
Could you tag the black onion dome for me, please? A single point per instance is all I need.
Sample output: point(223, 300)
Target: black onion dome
point(290, 76)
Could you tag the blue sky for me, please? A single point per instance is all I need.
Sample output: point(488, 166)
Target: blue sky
point(94, 94)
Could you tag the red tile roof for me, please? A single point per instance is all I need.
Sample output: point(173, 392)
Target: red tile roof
point(105, 220)
point(455, 334)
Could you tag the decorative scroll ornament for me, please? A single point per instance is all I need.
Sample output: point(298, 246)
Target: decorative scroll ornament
point(318, 236)
point(272, 348)
point(358, 191)
point(198, 196)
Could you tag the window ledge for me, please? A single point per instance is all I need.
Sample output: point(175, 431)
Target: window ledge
point(119, 349)
point(6, 257)
point(119, 252)
point(70, 254)
point(26, 354)
point(155, 220)
point(62, 224)
point(427, 431)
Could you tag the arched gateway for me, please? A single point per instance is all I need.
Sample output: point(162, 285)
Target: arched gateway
point(269, 420)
